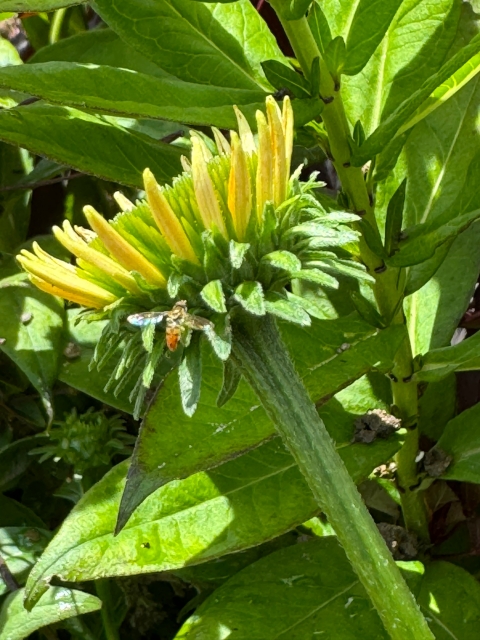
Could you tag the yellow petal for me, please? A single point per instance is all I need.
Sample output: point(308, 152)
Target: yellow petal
point(264, 179)
point(277, 138)
point(80, 249)
point(239, 188)
point(287, 122)
point(246, 135)
point(186, 166)
point(223, 146)
point(122, 250)
point(66, 280)
point(79, 298)
point(206, 197)
point(123, 202)
point(168, 223)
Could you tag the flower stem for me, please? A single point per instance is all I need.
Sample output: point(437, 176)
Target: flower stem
point(387, 291)
point(260, 354)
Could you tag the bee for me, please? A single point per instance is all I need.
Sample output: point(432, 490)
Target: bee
point(177, 321)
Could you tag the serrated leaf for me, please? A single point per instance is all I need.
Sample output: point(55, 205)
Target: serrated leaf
point(217, 44)
point(213, 295)
point(57, 604)
point(282, 76)
point(391, 126)
point(197, 519)
point(231, 380)
point(283, 260)
point(281, 307)
point(250, 296)
point(31, 324)
point(190, 375)
point(89, 143)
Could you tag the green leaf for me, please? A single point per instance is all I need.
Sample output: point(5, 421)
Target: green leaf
point(89, 143)
point(282, 76)
point(221, 45)
point(335, 57)
point(269, 599)
point(31, 323)
point(190, 376)
point(283, 260)
point(392, 125)
point(444, 92)
point(400, 64)
point(393, 222)
point(231, 380)
point(424, 239)
point(98, 46)
point(35, 6)
point(367, 310)
point(238, 251)
point(58, 603)
point(132, 94)
point(434, 190)
point(281, 307)
point(297, 592)
point(317, 276)
point(250, 296)
point(20, 548)
point(438, 363)
point(461, 440)
point(189, 521)
point(450, 600)
point(213, 295)
point(329, 356)
point(319, 27)
point(367, 29)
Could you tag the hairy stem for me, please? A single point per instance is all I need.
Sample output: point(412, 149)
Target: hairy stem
point(387, 291)
point(262, 357)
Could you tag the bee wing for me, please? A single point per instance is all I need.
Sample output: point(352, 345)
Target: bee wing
point(149, 317)
point(197, 322)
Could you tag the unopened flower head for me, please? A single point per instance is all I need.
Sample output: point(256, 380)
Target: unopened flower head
point(233, 230)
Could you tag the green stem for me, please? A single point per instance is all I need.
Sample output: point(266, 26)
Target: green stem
point(102, 588)
point(262, 357)
point(387, 288)
point(405, 398)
